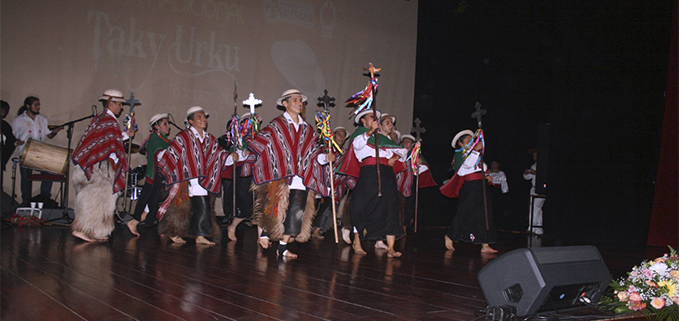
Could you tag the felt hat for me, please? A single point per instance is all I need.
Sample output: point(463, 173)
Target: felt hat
point(195, 109)
point(385, 115)
point(156, 118)
point(113, 94)
point(411, 137)
point(398, 135)
point(459, 135)
point(288, 93)
point(358, 117)
point(339, 128)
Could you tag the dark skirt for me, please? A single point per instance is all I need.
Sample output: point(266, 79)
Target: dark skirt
point(469, 223)
point(376, 216)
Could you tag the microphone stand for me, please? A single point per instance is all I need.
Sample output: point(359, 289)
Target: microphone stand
point(65, 192)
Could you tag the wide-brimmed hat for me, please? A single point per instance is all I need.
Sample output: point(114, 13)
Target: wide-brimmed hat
point(358, 117)
point(288, 93)
point(195, 109)
point(385, 115)
point(459, 135)
point(156, 118)
point(398, 135)
point(411, 137)
point(114, 95)
point(339, 128)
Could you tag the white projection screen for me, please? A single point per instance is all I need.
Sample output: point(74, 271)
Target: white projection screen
point(174, 54)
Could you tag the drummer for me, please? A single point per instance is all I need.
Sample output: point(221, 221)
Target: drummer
point(155, 144)
point(30, 124)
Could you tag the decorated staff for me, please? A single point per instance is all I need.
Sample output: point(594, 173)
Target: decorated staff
point(364, 100)
point(478, 114)
point(233, 135)
point(323, 124)
point(415, 159)
point(251, 125)
point(130, 123)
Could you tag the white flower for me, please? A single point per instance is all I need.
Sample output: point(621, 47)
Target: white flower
point(659, 268)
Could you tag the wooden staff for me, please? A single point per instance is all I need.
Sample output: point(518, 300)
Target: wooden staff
point(132, 102)
point(478, 115)
point(372, 70)
point(418, 130)
point(327, 103)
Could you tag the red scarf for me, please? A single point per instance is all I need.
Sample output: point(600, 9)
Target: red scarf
point(101, 139)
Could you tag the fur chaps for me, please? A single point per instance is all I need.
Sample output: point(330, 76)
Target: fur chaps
point(271, 206)
point(344, 212)
point(95, 202)
point(175, 222)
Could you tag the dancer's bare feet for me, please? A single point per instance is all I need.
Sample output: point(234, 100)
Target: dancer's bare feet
point(82, 236)
point(392, 253)
point(202, 240)
point(380, 245)
point(143, 216)
point(485, 248)
point(449, 243)
point(264, 242)
point(231, 232)
point(132, 226)
point(358, 249)
point(287, 254)
point(346, 235)
point(177, 240)
point(317, 234)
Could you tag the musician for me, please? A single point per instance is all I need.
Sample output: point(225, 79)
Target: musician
point(373, 216)
point(289, 166)
point(100, 171)
point(192, 165)
point(157, 142)
point(30, 124)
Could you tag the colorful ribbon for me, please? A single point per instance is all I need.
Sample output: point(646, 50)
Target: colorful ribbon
point(476, 139)
point(414, 157)
point(323, 124)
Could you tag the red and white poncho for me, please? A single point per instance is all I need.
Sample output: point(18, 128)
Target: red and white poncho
point(283, 152)
point(101, 139)
point(188, 158)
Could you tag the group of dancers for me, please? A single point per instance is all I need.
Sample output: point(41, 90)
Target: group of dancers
point(282, 180)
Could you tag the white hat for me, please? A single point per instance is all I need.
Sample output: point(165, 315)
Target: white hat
point(357, 119)
point(411, 137)
point(339, 128)
point(194, 110)
point(156, 118)
point(289, 93)
point(246, 115)
point(398, 135)
point(113, 94)
point(393, 118)
point(459, 135)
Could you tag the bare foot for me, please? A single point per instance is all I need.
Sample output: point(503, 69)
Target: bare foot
point(82, 236)
point(132, 226)
point(358, 249)
point(317, 234)
point(177, 240)
point(346, 235)
point(380, 245)
point(485, 248)
point(287, 254)
point(204, 241)
point(143, 216)
point(393, 253)
point(449, 243)
point(231, 232)
point(264, 242)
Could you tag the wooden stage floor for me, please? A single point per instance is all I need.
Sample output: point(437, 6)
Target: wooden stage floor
point(49, 275)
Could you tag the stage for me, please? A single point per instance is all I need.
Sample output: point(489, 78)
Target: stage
point(47, 274)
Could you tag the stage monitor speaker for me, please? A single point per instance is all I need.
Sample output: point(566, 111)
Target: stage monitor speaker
point(542, 279)
point(542, 173)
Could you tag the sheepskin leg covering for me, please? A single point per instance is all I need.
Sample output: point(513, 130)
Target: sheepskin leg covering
point(95, 202)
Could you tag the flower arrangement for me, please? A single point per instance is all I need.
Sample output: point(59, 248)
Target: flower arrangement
point(650, 288)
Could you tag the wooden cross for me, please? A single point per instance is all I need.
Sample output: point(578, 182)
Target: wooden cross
point(252, 102)
point(326, 100)
point(372, 70)
point(417, 129)
point(478, 114)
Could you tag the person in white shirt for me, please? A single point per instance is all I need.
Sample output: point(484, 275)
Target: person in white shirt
point(538, 202)
point(30, 124)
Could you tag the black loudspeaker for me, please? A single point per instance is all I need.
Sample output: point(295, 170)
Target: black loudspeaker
point(541, 176)
point(541, 279)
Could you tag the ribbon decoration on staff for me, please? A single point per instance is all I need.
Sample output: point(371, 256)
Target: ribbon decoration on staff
point(414, 157)
point(365, 99)
point(477, 138)
point(250, 127)
point(417, 151)
point(233, 131)
point(326, 135)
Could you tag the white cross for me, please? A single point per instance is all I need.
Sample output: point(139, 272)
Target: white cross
point(252, 102)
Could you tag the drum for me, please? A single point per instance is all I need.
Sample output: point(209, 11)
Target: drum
point(45, 157)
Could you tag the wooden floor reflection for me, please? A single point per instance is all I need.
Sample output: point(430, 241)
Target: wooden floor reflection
point(49, 275)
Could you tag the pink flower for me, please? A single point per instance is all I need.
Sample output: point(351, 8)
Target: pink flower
point(622, 296)
point(675, 299)
point(658, 303)
point(652, 284)
point(634, 296)
point(674, 274)
point(635, 305)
